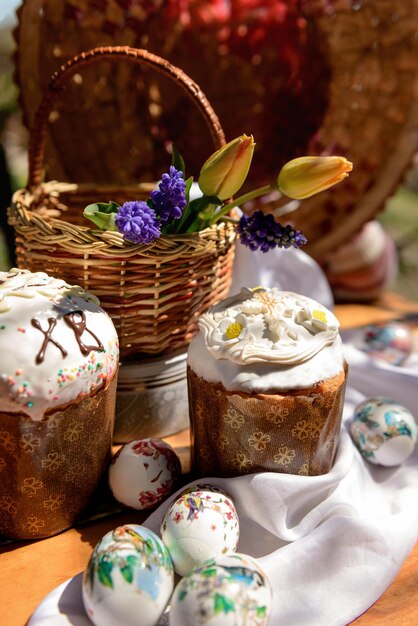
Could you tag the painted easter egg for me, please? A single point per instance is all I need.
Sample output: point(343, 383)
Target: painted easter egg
point(384, 431)
point(200, 524)
point(129, 574)
point(392, 342)
point(229, 591)
point(143, 473)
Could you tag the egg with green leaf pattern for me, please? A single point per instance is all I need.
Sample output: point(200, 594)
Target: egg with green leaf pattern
point(231, 590)
point(129, 574)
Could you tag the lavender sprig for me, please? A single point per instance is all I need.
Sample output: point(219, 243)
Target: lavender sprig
point(169, 199)
point(260, 231)
point(137, 222)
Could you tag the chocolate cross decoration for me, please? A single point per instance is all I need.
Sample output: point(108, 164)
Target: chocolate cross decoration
point(47, 338)
point(79, 328)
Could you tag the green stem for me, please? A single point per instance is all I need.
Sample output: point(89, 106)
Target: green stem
point(230, 219)
point(256, 193)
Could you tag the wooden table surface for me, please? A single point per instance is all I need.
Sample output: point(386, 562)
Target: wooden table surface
point(30, 570)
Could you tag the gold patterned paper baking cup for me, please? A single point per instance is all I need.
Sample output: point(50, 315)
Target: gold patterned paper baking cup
point(50, 469)
point(295, 432)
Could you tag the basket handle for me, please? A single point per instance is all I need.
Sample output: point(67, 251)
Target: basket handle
point(36, 151)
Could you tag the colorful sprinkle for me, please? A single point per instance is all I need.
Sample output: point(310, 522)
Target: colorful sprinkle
point(21, 330)
point(18, 372)
point(2, 327)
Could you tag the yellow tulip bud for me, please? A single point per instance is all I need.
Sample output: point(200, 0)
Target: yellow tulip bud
point(225, 171)
point(306, 176)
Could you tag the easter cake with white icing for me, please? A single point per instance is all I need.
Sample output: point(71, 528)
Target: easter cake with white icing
point(266, 385)
point(58, 370)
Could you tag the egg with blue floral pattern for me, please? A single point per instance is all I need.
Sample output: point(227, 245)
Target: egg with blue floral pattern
point(229, 591)
point(392, 342)
point(129, 574)
point(200, 524)
point(384, 431)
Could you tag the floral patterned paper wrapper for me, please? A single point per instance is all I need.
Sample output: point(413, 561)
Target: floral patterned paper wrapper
point(295, 432)
point(50, 469)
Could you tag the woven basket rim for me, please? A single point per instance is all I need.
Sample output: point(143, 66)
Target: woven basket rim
point(105, 241)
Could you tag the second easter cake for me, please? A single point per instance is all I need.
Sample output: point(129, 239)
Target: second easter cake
point(266, 379)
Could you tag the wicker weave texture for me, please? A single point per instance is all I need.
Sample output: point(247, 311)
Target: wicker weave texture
point(303, 76)
point(153, 293)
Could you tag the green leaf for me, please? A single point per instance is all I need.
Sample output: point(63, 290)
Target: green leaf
point(200, 205)
point(178, 161)
point(102, 214)
point(128, 573)
point(229, 606)
point(149, 546)
point(133, 560)
point(218, 604)
point(222, 604)
point(104, 572)
point(189, 183)
point(261, 611)
point(182, 595)
point(207, 213)
point(177, 225)
point(207, 573)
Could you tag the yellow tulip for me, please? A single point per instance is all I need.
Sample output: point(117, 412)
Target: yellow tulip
point(306, 176)
point(224, 173)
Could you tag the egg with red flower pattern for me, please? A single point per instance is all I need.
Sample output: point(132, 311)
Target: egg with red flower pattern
point(200, 524)
point(143, 473)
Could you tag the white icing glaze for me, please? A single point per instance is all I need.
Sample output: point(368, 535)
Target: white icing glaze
point(277, 326)
point(287, 341)
point(32, 386)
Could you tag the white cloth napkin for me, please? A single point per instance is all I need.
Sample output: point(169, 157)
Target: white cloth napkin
point(289, 270)
point(330, 544)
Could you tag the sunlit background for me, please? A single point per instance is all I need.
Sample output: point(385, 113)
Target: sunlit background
point(399, 217)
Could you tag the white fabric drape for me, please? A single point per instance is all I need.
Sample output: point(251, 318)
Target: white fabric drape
point(330, 544)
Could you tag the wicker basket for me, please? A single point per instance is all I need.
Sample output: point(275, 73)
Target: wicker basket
point(153, 293)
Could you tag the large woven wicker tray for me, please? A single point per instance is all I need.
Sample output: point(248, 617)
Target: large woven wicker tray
point(304, 76)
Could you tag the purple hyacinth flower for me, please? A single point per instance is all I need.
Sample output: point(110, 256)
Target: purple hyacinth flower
point(137, 222)
point(260, 231)
point(169, 200)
